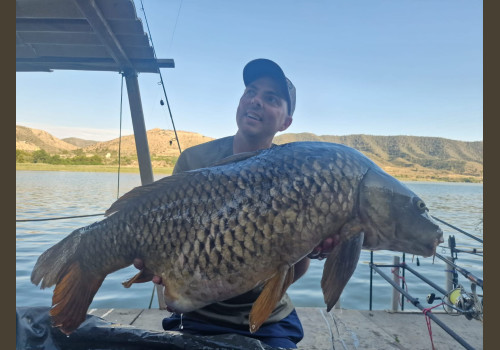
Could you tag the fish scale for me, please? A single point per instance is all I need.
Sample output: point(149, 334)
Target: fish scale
point(218, 232)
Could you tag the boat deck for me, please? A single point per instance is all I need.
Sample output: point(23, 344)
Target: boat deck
point(344, 329)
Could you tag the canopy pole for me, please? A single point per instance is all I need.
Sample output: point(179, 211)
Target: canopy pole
point(141, 145)
point(141, 138)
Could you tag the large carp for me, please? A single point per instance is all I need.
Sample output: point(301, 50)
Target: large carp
point(218, 232)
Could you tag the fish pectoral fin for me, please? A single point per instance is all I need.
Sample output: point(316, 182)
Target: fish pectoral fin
point(339, 267)
point(272, 293)
point(144, 275)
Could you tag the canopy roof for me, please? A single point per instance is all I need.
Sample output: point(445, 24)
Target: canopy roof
point(97, 35)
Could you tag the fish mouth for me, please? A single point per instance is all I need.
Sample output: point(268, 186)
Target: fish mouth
point(438, 240)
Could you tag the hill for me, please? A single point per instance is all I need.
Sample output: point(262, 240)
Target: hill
point(406, 157)
point(158, 140)
point(80, 143)
point(406, 154)
point(28, 139)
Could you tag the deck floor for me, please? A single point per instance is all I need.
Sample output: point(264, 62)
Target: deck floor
point(344, 329)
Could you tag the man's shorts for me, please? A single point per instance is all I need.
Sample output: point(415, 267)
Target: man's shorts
point(283, 334)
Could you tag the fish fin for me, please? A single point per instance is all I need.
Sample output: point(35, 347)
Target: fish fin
point(72, 297)
point(273, 291)
point(136, 192)
point(162, 184)
point(144, 275)
point(339, 267)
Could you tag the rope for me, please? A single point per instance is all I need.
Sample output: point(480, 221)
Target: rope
point(161, 77)
point(59, 218)
point(428, 322)
point(393, 270)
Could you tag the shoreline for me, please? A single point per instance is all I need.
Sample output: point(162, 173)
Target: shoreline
point(431, 176)
point(88, 168)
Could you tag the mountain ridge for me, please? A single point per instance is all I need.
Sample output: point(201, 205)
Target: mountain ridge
point(401, 155)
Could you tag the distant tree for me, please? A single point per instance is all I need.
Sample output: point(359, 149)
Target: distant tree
point(41, 156)
point(79, 152)
point(23, 156)
point(56, 159)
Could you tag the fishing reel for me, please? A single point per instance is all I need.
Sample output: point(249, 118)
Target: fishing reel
point(467, 303)
point(463, 302)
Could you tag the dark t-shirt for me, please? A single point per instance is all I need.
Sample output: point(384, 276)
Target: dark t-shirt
point(233, 311)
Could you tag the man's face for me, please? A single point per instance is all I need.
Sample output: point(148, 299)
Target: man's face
point(262, 110)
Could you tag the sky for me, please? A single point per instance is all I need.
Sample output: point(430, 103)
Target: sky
point(374, 67)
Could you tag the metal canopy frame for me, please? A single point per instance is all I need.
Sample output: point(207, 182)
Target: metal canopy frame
point(92, 35)
point(98, 35)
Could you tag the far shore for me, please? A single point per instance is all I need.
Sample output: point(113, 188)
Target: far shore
point(88, 168)
point(423, 176)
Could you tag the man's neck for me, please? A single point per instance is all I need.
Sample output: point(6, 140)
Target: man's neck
point(243, 143)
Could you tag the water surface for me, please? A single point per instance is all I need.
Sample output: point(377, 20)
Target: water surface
point(56, 194)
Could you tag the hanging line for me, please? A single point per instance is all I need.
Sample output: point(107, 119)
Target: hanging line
point(168, 106)
point(459, 230)
point(119, 161)
point(175, 26)
point(161, 77)
point(120, 139)
point(59, 218)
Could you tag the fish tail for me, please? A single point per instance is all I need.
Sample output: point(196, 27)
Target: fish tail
point(72, 297)
point(75, 286)
point(53, 263)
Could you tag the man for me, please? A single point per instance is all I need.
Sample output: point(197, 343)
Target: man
point(266, 107)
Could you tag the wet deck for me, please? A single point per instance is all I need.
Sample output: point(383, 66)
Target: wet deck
point(344, 329)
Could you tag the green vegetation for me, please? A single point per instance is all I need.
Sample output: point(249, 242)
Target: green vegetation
point(106, 161)
point(167, 160)
point(441, 158)
point(407, 158)
point(41, 156)
point(88, 168)
point(78, 157)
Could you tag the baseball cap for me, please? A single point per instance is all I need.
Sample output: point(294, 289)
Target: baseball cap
point(262, 67)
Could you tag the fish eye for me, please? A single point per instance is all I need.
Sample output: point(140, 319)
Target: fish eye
point(420, 205)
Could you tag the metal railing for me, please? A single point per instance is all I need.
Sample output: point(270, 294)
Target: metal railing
point(454, 297)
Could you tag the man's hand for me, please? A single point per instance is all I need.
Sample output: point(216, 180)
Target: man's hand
point(139, 264)
point(324, 248)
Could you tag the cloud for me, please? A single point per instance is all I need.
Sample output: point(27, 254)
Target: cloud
point(62, 132)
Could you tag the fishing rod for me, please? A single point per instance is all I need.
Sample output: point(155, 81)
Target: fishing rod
point(463, 271)
point(473, 251)
point(418, 304)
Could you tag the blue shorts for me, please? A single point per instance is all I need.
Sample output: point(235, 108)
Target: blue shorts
point(283, 334)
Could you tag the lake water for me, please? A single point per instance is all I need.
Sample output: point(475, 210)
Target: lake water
point(42, 195)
